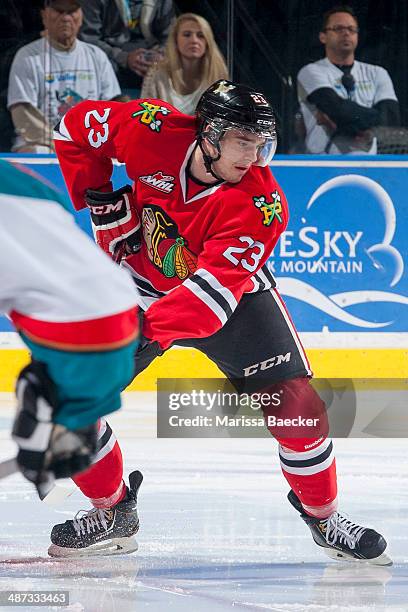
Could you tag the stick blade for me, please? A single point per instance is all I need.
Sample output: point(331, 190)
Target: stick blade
point(58, 494)
point(8, 467)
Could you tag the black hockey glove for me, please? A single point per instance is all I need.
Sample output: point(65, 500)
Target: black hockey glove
point(147, 351)
point(47, 450)
point(115, 221)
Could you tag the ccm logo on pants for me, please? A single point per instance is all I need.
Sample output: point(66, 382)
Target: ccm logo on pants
point(268, 363)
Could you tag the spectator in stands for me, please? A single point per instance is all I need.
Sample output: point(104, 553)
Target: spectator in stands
point(341, 98)
point(192, 62)
point(131, 32)
point(53, 73)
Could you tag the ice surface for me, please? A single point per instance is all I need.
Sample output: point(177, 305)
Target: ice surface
point(216, 530)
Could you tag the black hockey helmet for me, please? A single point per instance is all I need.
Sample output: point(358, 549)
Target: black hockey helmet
point(227, 105)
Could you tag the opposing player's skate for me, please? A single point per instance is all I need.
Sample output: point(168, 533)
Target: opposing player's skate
point(108, 531)
point(342, 539)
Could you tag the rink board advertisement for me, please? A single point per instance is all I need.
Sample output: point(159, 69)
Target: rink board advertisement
point(340, 263)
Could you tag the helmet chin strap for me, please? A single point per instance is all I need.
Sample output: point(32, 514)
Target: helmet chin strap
point(208, 160)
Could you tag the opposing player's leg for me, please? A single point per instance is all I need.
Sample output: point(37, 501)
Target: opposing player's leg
point(103, 482)
point(259, 351)
point(110, 526)
point(109, 529)
point(75, 329)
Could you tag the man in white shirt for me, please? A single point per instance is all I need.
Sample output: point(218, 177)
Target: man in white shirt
point(341, 98)
point(52, 74)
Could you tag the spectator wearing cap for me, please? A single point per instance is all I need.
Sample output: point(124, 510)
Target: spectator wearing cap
point(131, 32)
point(340, 98)
point(52, 74)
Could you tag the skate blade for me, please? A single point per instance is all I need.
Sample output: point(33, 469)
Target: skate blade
point(337, 555)
point(116, 546)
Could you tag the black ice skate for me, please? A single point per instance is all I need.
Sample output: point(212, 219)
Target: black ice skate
point(342, 539)
point(100, 531)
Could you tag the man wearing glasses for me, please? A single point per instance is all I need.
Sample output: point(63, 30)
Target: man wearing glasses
point(341, 98)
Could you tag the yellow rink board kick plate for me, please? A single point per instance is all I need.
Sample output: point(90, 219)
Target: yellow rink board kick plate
point(189, 363)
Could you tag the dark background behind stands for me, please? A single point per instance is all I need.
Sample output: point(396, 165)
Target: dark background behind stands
point(20, 23)
point(272, 40)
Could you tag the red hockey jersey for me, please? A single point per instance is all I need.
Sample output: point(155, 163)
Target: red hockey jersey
point(204, 246)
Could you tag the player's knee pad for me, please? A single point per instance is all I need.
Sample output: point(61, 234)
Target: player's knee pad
point(296, 416)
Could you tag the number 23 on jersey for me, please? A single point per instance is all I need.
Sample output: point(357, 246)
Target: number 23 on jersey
point(97, 126)
point(253, 253)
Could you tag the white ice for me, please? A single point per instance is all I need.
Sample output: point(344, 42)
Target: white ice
point(216, 530)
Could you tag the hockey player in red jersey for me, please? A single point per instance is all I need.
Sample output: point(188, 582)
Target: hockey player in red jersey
point(211, 213)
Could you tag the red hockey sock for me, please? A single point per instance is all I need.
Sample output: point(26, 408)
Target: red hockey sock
point(312, 476)
point(103, 481)
point(305, 451)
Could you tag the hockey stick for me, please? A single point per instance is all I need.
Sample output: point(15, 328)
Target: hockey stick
point(8, 467)
point(54, 498)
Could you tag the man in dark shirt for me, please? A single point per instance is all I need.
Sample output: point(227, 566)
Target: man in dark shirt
point(131, 32)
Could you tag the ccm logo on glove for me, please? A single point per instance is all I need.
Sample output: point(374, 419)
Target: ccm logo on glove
point(105, 210)
point(115, 221)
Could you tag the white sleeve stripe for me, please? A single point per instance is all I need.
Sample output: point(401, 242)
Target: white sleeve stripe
point(105, 450)
point(309, 471)
point(102, 428)
point(57, 136)
point(216, 285)
point(62, 133)
point(262, 276)
point(310, 454)
point(207, 299)
point(256, 285)
point(260, 281)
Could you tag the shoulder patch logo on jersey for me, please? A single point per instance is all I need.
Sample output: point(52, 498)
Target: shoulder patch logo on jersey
point(166, 249)
point(269, 210)
point(159, 181)
point(147, 115)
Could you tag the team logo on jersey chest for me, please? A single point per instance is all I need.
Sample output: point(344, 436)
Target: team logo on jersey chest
point(159, 181)
point(269, 210)
point(147, 115)
point(166, 249)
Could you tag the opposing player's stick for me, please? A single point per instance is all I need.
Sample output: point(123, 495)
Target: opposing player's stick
point(8, 467)
point(54, 498)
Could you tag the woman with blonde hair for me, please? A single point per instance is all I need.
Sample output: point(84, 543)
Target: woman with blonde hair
point(192, 61)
